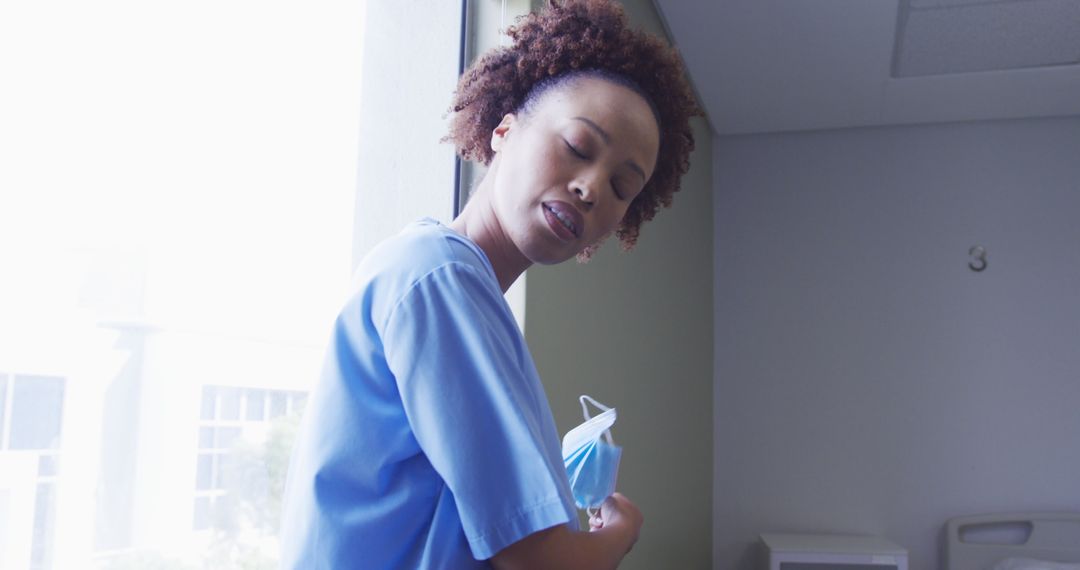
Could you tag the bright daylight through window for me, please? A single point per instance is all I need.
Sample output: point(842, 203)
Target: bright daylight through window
point(177, 185)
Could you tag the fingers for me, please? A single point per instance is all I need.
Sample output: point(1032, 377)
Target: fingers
point(617, 508)
point(621, 516)
point(616, 503)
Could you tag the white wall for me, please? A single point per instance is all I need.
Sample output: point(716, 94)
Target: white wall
point(866, 380)
point(410, 72)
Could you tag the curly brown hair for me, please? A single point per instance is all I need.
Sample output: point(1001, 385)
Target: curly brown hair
point(567, 39)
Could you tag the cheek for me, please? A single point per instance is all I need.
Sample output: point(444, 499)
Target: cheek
point(534, 169)
point(608, 220)
point(550, 165)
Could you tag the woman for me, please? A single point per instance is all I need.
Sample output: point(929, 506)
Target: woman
point(429, 442)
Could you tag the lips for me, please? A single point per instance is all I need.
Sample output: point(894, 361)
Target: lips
point(564, 219)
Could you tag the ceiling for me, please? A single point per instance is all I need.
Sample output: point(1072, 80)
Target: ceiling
point(790, 65)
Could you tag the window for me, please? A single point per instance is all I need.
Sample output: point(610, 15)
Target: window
point(180, 238)
point(178, 203)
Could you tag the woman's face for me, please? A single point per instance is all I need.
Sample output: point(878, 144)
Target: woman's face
point(565, 175)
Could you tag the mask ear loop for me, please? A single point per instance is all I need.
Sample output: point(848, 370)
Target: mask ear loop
point(585, 412)
point(607, 434)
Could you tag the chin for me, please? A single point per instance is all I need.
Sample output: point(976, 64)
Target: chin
point(541, 250)
point(549, 257)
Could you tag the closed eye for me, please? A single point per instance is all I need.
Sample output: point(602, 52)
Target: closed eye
point(583, 156)
point(616, 189)
point(575, 151)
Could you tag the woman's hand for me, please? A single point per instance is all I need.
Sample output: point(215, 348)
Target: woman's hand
point(617, 512)
point(613, 532)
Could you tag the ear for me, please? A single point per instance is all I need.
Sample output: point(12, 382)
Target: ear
point(498, 136)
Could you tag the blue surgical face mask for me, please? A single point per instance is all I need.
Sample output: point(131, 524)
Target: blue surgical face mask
point(592, 463)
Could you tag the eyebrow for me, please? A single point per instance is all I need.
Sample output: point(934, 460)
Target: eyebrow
point(607, 140)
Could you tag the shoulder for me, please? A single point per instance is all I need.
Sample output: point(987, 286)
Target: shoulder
point(421, 247)
point(425, 253)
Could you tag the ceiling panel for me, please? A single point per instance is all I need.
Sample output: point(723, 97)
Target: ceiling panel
point(788, 65)
point(988, 36)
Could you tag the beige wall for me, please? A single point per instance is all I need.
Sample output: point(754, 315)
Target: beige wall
point(635, 331)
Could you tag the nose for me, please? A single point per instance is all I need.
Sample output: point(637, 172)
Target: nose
point(585, 193)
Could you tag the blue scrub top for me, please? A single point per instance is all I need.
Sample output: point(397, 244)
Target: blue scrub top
point(428, 442)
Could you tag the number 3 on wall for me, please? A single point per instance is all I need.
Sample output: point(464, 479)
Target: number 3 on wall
point(979, 253)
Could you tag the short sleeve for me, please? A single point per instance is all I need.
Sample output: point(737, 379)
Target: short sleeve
point(472, 403)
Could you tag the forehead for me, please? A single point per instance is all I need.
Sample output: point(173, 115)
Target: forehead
point(615, 108)
point(600, 96)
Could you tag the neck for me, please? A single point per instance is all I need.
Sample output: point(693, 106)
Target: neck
point(479, 223)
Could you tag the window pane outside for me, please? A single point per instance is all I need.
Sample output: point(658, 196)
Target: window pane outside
point(202, 513)
point(255, 408)
point(230, 404)
point(227, 437)
point(299, 400)
point(44, 511)
point(36, 406)
point(278, 404)
point(209, 403)
point(205, 472)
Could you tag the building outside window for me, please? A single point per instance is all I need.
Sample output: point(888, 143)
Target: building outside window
point(177, 204)
point(30, 412)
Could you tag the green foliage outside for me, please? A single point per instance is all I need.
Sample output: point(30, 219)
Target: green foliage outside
point(246, 518)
